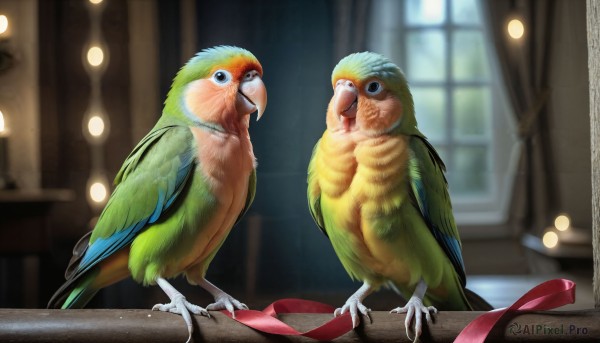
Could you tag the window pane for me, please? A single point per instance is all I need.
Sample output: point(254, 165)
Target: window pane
point(469, 174)
point(465, 12)
point(472, 111)
point(426, 55)
point(430, 109)
point(469, 58)
point(425, 11)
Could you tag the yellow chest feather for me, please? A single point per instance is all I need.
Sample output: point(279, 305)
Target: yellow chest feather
point(365, 174)
point(361, 180)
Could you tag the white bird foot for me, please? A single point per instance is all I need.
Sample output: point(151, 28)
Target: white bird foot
point(179, 305)
point(225, 301)
point(415, 308)
point(354, 306)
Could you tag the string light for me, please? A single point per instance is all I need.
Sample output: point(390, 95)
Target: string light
point(515, 29)
point(3, 24)
point(95, 122)
point(98, 192)
point(550, 239)
point(2, 124)
point(562, 222)
point(96, 126)
point(95, 56)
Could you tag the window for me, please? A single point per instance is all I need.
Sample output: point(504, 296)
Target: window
point(442, 47)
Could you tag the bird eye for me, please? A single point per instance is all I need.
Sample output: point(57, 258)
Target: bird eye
point(221, 76)
point(374, 88)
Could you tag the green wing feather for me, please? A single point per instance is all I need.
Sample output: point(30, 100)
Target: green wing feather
point(314, 193)
point(151, 178)
point(430, 192)
point(250, 196)
point(167, 158)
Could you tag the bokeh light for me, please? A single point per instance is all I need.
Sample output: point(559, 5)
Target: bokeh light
point(95, 56)
point(98, 192)
point(3, 24)
point(96, 126)
point(2, 124)
point(562, 222)
point(550, 239)
point(515, 29)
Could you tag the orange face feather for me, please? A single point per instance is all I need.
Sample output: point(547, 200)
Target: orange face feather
point(238, 66)
point(228, 103)
point(353, 109)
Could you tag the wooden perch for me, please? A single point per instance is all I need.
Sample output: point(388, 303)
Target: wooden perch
point(86, 326)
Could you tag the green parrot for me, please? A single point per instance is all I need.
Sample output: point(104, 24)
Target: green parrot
point(181, 189)
point(376, 188)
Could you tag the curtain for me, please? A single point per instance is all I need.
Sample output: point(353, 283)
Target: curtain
point(350, 23)
point(524, 65)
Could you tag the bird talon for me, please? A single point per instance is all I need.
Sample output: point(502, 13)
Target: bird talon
point(368, 315)
point(227, 302)
point(354, 306)
point(415, 309)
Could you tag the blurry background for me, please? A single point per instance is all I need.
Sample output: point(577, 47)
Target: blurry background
point(501, 89)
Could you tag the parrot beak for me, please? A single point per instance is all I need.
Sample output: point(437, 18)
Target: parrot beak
point(345, 104)
point(345, 101)
point(252, 95)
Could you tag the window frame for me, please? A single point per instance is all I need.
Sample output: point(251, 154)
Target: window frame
point(388, 35)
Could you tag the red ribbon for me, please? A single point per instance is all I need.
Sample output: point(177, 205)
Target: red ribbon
point(548, 295)
point(545, 296)
point(266, 320)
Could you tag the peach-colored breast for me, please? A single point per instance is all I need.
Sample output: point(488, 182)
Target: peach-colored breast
point(227, 161)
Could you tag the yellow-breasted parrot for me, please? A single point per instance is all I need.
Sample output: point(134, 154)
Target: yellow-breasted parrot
point(376, 188)
point(180, 191)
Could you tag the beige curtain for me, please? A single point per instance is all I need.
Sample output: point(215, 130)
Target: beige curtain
point(524, 65)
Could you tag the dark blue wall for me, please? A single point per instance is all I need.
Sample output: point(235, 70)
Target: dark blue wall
point(293, 39)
